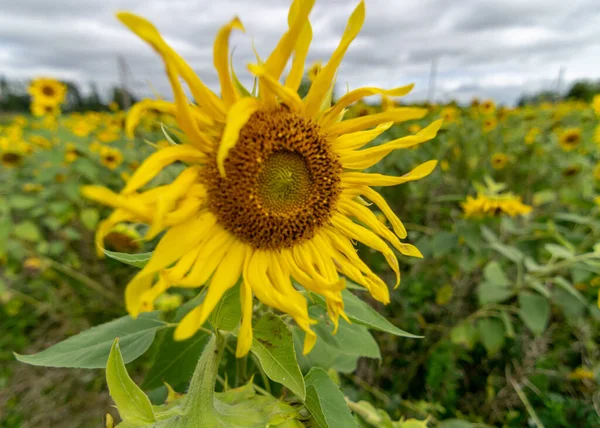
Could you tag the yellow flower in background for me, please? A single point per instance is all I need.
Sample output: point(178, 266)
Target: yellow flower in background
point(71, 153)
point(596, 104)
point(270, 191)
point(96, 146)
point(488, 107)
point(444, 165)
point(475, 103)
point(48, 91)
point(11, 159)
point(571, 171)
point(41, 108)
point(314, 71)
point(110, 157)
point(532, 135)
point(108, 135)
point(499, 160)
point(113, 106)
point(32, 187)
point(40, 141)
point(569, 139)
point(124, 239)
point(489, 124)
point(597, 172)
point(597, 135)
point(491, 206)
point(581, 373)
point(449, 114)
point(414, 128)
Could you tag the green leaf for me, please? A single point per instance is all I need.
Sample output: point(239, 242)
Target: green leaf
point(488, 292)
point(508, 326)
point(175, 361)
point(23, 202)
point(568, 287)
point(325, 401)
point(464, 334)
point(443, 243)
point(273, 345)
point(559, 251)
point(89, 218)
point(27, 231)
point(322, 355)
point(138, 260)
point(494, 274)
point(133, 405)
point(227, 313)
point(537, 285)
point(534, 310)
point(90, 349)
point(491, 334)
point(508, 251)
point(570, 305)
point(488, 235)
point(361, 313)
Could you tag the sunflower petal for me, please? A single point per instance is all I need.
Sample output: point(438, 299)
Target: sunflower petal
point(221, 61)
point(244, 342)
point(362, 179)
point(237, 117)
point(396, 115)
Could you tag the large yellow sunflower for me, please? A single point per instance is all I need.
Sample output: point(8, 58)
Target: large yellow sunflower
point(273, 193)
point(47, 91)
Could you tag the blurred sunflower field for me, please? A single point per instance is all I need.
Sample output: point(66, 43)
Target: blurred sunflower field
point(505, 298)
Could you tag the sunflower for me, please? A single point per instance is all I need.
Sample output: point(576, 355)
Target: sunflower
point(569, 139)
point(123, 238)
point(450, 114)
point(487, 107)
point(499, 160)
point(273, 189)
point(40, 141)
point(494, 205)
point(47, 91)
point(113, 106)
point(596, 104)
point(571, 171)
point(110, 157)
point(71, 153)
point(489, 124)
point(11, 159)
point(475, 103)
point(414, 128)
point(532, 135)
point(32, 187)
point(43, 108)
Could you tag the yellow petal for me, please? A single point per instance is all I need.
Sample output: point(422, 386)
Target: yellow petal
point(160, 159)
point(378, 200)
point(244, 342)
point(363, 159)
point(221, 61)
point(359, 94)
point(294, 78)
point(286, 95)
point(282, 52)
point(396, 115)
point(324, 79)
point(225, 277)
point(362, 179)
point(209, 102)
point(237, 117)
point(358, 139)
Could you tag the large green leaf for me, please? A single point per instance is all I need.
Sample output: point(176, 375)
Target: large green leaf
point(323, 355)
point(491, 334)
point(90, 349)
point(227, 313)
point(488, 292)
point(325, 401)
point(175, 361)
point(28, 231)
point(361, 313)
point(273, 345)
point(534, 310)
point(494, 274)
point(138, 260)
point(133, 405)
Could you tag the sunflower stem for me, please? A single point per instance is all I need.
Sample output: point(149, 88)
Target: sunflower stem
point(199, 406)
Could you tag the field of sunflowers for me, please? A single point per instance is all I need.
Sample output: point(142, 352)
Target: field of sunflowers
point(505, 297)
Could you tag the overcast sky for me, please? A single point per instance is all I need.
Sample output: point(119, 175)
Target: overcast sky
point(484, 48)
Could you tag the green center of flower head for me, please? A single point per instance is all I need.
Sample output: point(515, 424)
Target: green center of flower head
point(282, 181)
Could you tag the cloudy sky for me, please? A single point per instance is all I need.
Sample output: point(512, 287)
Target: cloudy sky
point(484, 48)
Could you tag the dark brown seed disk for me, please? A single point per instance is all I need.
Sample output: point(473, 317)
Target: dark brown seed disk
point(282, 181)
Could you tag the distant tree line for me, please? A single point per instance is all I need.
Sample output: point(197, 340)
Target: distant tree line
point(14, 97)
point(583, 90)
